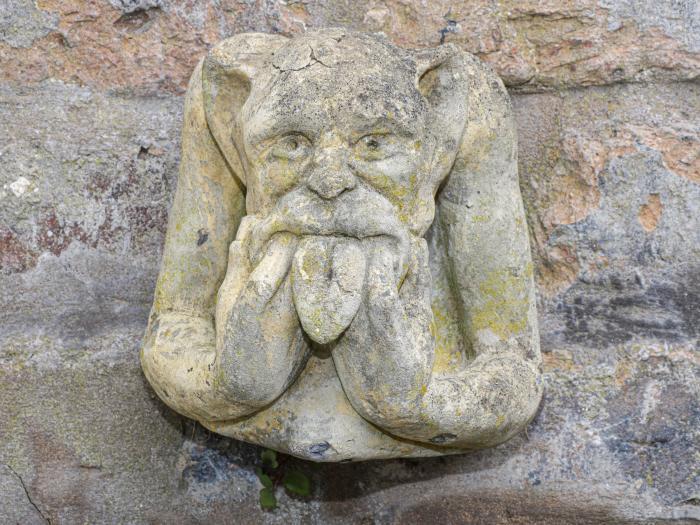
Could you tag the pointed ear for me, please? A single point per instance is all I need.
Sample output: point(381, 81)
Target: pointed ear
point(441, 79)
point(482, 225)
point(228, 74)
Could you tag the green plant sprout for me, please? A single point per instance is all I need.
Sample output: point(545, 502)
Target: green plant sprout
point(273, 473)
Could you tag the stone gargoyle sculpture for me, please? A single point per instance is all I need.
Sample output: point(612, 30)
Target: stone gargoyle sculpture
point(347, 272)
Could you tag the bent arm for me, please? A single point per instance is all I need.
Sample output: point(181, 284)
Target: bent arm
point(178, 358)
point(257, 351)
point(260, 344)
point(385, 357)
point(385, 360)
point(482, 233)
point(180, 344)
point(179, 355)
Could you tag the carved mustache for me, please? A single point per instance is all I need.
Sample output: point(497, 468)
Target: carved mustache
point(361, 213)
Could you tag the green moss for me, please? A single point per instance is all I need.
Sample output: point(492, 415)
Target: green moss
point(481, 218)
point(504, 308)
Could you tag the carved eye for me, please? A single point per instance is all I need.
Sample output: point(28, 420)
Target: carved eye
point(293, 146)
point(372, 144)
point(374, 147)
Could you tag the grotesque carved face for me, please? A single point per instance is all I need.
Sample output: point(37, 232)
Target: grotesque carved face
point(341, 133)
point(331, 128)
point(338, 146)
point(335, 147)
point(314, 163)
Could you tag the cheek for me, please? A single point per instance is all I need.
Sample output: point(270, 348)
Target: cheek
point(278, 176)
point(396, 177)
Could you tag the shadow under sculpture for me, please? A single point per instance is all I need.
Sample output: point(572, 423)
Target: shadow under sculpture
point(347, 272)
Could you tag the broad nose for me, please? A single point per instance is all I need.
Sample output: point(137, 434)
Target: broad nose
point(331, 175)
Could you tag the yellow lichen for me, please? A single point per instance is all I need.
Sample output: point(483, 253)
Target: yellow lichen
point(504, 308)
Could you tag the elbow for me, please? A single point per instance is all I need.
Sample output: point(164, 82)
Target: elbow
point(508, 400)
point(256, 386)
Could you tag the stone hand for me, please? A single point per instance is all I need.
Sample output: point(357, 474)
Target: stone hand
point(384, 359)
point(385, 363)
point(260, 344)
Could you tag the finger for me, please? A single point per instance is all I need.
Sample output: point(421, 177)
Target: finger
point(245, 228)
point(385, 317)
point(267, 277)
point(413, 301)
point(381, 276)
point(418, 276)
point(237, 269)
point(238, 264)
point(403, 242)
point(261, 234)
point(237, 256)
point(416, 291)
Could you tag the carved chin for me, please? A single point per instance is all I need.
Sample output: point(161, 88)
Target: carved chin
point(328, 276)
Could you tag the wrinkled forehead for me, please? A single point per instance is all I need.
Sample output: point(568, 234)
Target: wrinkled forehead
point(354, 86)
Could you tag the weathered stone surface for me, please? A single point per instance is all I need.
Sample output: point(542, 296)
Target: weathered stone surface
point(618, 433)
point(64, 179)
point(22, 23)
point(152, 46)
point(373, 295)
point(17, 504)
point(614, 199)
point(617, 438)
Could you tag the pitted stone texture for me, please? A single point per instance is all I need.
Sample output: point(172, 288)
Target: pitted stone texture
point(330, 285)
point(533, 45)
point(115, 179)
point(614, 196)
point(614, 441)
point(22, 23)
point(132, 6)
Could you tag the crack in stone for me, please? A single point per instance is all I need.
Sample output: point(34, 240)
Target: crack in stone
point(311, 60)
point(26, 493)
point(316, 59)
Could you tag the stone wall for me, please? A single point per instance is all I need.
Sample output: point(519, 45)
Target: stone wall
point(608, 108)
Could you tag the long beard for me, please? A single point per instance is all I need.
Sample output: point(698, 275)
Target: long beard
point(328, 271)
